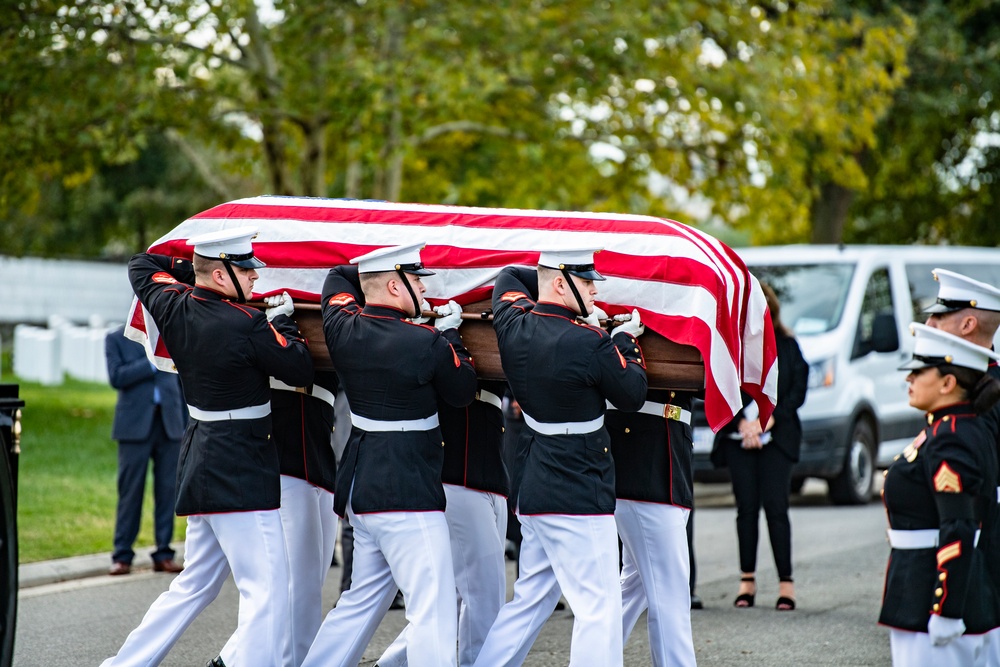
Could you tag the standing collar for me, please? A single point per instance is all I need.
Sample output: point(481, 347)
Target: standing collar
point(963, 408)
point(379, 310)
point(549, 308)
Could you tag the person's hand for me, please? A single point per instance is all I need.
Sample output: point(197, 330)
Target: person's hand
point(633, 327)
point(595, 317)
point(750, 432)
point(424, 307)
point(278, 304)
point(449, 316)
point(942, 629)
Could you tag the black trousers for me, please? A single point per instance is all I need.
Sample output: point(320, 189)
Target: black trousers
point(761, 479)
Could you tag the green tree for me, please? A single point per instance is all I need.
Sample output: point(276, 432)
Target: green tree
point(936, 174)
point(758, 109)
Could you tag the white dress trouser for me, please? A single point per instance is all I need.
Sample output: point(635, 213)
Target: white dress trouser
point(251, 546)
point(655, 573)
point(477, 521)
point(993, 648)
point(914, 649)
point(310, 529)
point(410, 549)
point(572, 555)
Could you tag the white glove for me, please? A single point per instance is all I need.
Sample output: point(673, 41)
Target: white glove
point(278, 304)
point(595, 317)
point(424, 306)
point(942, 630)
point(634, 327)
point(450, 316)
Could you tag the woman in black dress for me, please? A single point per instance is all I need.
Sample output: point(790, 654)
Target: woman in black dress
point(939, 599)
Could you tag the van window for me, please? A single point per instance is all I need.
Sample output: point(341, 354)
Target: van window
point(812, 296)
point(877, 300)
point(924, 289)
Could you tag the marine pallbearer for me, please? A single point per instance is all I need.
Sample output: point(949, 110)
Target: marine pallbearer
point(228, 484)
point(389, 481)
point(563, 483)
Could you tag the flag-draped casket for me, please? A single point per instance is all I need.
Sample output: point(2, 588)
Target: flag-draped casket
point(703, 311)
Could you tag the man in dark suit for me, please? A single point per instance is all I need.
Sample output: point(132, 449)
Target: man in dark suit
point(149, 421)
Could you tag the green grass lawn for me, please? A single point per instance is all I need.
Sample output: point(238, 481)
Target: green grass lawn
point(68, 470)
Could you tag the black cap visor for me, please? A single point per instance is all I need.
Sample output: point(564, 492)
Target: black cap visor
point(919, 362)
point(415, 269)
point(585, 271)
point(245, 261)
point(947, 306)
point(251, 263)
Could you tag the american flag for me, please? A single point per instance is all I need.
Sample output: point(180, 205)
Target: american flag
point(687, 286)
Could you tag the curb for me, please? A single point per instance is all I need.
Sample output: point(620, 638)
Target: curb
point(80, 567)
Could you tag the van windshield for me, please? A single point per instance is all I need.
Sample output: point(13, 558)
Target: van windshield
point(812, 296)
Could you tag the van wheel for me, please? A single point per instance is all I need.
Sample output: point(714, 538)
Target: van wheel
point(853, 486)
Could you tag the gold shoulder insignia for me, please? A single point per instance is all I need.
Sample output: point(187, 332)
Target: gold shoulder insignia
point(513, 296)
point(341, 299)
point(947, 480)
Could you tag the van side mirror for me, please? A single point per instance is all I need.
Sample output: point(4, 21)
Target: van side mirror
point(885, 335)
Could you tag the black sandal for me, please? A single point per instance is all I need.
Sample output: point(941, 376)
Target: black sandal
point(746, 600)
point(785, 603)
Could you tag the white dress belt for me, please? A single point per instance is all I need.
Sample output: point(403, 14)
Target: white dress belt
point(665, 410)
point(563, 428)
point(917, 539)
point(425, 424)
point(489, 397)
point(252, 412)
point(313, 390)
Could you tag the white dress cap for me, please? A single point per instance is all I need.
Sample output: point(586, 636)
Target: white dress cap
point(405, 258)
point(579, 261)
point(934, 347)
point(231, 245)
point(956, 292)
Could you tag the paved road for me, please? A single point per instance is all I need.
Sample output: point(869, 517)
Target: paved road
point(839, 554)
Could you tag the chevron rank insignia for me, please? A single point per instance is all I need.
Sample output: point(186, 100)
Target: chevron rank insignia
point(947, 480)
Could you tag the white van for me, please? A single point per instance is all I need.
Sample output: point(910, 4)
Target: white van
point(849, 307)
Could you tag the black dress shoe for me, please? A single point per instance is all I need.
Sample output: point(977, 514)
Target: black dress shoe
point(216, 662)
point(167, 565)
point(397, 602)
point(118, 568)
point(696, 602)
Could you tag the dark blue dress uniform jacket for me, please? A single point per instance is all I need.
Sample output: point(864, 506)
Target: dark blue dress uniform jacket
point(303, 425)
point(946, 481)
point(990, 539)
point(225, 353)
point(391, 370)
point(653, 455)
point(562, 371)
point(473, 443)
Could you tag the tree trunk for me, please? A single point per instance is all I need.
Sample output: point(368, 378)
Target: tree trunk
point(829, 213)
point(314, 160)
point(264, 78)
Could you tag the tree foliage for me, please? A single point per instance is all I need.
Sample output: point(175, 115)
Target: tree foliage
point(776, 117)
point(936, 174)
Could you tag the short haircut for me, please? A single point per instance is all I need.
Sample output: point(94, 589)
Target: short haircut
point(989, 322)
point(374, 283)
point(203, 266)
point(546, 274)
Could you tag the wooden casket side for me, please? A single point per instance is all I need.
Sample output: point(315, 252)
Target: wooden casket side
point(668, 364)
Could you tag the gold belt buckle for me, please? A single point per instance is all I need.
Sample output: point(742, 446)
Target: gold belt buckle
point(672, 412)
